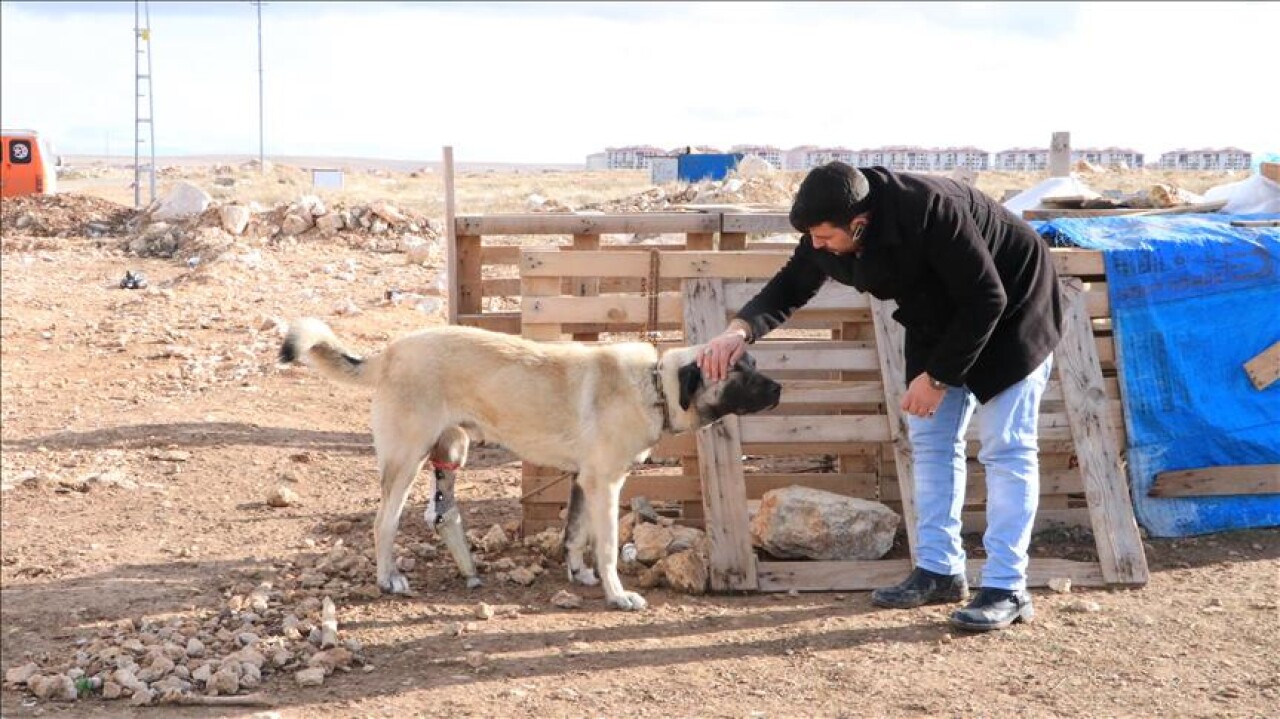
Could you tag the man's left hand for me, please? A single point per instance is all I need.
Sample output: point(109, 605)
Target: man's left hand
point(921, 399)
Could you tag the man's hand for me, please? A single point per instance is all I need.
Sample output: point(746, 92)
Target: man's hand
point(717, 356)
point(922, 399)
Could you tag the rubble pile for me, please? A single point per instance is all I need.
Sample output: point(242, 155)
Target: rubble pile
point(65, 215)
point(378, 226)
point(285, 626)
point(775, 190)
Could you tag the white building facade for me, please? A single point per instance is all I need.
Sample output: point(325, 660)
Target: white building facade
point(1229, 158)
point(632, 157)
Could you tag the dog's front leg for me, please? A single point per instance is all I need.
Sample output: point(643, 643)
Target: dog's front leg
point(602, 492)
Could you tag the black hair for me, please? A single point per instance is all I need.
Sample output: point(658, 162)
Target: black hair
point(834, 192)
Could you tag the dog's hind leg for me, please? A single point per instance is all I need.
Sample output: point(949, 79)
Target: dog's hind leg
point(577, 536)
point(398, 474)
point(601, 492)
point(447, 458)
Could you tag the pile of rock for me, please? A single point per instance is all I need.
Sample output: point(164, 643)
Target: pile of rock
point(657, 551)
point(65, 215)
point(258, 633)
point(187, 223)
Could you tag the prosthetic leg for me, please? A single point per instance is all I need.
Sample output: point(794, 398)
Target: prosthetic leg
point(447, 457)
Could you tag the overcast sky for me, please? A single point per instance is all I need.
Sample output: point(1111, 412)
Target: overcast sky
point(553, 82)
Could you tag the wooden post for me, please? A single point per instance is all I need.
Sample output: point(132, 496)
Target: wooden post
point(451, 236)
point(583, 287)
point(724, 493)
point(1060, 155)
point(1110, 508)
point(890, 339)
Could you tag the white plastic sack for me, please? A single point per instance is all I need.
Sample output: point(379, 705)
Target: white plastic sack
point(1029, 199)
point(1246, 197)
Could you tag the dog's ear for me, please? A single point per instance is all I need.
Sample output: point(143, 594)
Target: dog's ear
point(748, 361)
point(690, 380)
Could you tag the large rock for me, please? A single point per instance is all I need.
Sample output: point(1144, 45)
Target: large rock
point(687, 572)
point(184, 200)
point(651, 542)
point(234, 218)
point(799, 522)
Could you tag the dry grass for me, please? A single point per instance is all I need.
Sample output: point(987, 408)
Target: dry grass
point(485, 192)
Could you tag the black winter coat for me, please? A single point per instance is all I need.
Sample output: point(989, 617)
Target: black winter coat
point(976, 287)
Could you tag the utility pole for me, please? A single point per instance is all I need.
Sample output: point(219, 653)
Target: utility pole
point(262, 165)
point(142, 88)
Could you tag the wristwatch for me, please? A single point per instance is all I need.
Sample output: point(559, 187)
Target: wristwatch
point(936, 384)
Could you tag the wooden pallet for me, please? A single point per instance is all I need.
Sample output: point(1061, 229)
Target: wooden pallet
point(733, 562)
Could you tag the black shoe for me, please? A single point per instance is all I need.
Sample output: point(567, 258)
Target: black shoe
point(923, 587)
point(994, 609)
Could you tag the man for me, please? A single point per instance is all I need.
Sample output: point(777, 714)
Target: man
point(978, 295)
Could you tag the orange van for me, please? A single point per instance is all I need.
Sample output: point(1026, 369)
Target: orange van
point(26, 166)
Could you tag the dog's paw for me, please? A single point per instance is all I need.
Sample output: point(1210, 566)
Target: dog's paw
point(585, 576)
point(628, 602)
point(474, 583)
point(395, 584)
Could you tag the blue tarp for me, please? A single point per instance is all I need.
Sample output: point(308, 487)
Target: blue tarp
point(1192, 299)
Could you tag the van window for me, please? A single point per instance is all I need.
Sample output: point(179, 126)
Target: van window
point(20, 152)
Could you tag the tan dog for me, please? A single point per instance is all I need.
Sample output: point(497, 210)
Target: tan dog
point(588, 409)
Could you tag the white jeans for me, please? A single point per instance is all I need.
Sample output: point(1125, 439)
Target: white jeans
point(1010, 454)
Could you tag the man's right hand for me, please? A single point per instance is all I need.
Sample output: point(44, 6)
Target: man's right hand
point(722, 352)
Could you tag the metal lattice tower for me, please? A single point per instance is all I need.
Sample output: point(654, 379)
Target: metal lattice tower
point(143, 114)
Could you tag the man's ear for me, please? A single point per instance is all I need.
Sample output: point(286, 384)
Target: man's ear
point(690, 380)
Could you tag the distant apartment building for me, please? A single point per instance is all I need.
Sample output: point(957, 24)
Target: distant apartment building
point(1024, 159)
point(812, 157)
point(768, 153)
point(1229, 158)
point(794, 158)
point(1116, 157)
point(598, 161)
point(632, 157)
point(923, 159)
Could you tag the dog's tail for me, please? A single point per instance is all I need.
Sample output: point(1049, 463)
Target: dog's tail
point(310, 341)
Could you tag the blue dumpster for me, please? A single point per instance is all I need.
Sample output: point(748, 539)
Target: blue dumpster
point(695, 168)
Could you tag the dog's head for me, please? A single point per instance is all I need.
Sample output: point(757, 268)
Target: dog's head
point(743, 391)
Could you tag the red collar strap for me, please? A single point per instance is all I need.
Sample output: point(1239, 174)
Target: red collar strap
point(446, 466)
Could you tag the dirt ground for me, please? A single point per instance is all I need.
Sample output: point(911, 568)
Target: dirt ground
point(145, 429)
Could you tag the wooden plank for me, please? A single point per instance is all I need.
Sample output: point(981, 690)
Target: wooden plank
point(760, 222)
point(469, 277)
point(724, 498)
point(890, 338)
point(585, 286)
point(1126, 211)
point(501, 287)
point(700, 241)
point(857, 576)
point(1255, 223)
point(1216, 481)
point(451, 238)
point(732, 241)
point(688, 487)
point(1078, 263)
point(1264, 369)
point(724, 502)
point(1110, 508)
point(832, 296)
point(822, 355)
point(508, 322)
point(504, 254)
point(575, 224)
point(531, 289)
point(1270, 170)
point(608, 308)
